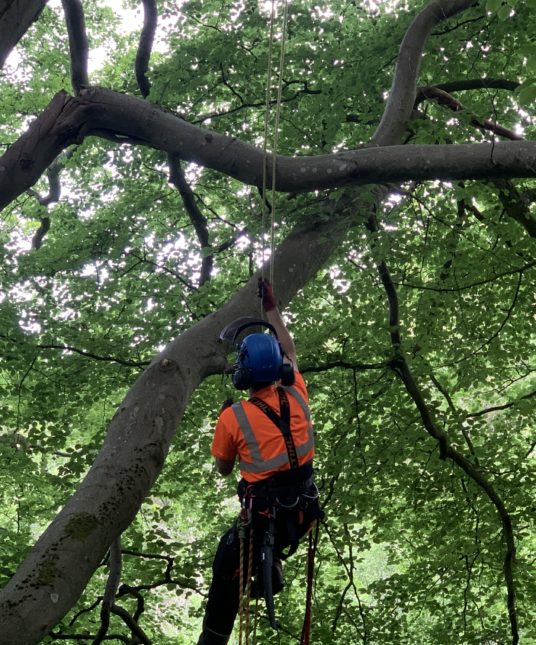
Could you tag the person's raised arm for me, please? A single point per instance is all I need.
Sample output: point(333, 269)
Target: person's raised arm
point(273, 316)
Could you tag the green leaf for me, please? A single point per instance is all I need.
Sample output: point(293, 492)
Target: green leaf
point(493, 5)
point(504, 12)
point(527, 95)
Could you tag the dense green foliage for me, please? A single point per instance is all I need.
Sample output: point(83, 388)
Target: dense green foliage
point(412, 550)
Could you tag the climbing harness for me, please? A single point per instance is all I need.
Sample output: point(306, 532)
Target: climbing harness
point(268, 502)
point(282, 422)
point(288, 493)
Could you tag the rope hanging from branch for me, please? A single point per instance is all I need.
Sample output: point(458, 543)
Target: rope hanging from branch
point(275, 139)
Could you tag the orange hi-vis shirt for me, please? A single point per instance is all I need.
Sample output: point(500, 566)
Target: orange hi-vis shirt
point(245, 432)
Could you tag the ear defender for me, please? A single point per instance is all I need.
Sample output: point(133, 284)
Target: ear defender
point(286, 374)
point(241, 378)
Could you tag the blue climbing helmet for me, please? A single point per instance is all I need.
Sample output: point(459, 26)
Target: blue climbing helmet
point(259, 361)
point(259, 355)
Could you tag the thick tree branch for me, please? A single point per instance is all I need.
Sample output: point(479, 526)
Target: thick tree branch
point(96, 111)
point(403, 89)
point(78, 43)
point(16, 17)
point(477, 84)
point(145, 46)
point(139, 436)
point(26, 160)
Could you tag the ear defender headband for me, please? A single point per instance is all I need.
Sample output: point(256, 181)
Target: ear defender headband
point(259, 356)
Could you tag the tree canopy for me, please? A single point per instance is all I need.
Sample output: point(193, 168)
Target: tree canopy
point(379, 160)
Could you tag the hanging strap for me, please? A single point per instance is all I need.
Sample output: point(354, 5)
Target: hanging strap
point(282, 422)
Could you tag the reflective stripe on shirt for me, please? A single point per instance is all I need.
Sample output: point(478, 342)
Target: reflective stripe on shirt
point(258, 464)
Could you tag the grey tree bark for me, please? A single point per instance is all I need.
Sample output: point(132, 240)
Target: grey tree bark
point(103, 112)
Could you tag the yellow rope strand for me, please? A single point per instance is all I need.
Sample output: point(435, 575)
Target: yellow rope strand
point(255, 621)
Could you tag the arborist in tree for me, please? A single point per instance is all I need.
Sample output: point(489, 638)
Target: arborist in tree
point(271, 434)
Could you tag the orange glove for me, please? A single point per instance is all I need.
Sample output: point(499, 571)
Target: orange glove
point(266, 294)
